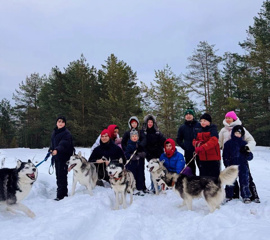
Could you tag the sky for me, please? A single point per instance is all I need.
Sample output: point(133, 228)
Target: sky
point(149, 217)
point(39, 35)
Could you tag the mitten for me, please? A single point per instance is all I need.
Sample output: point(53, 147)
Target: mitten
point(244, 150)
point(199, 149)
point(141, 154)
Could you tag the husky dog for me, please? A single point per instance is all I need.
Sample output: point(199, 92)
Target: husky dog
point(84, 172)
point(15, 185)
point(122, 182)
point(157, 170)
point(211, 188)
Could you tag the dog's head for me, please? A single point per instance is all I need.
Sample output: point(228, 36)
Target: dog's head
point(154, 164)
point(27, 171)
point(115, 169)
point(76, 161)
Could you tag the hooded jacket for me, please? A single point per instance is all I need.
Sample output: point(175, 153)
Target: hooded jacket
point(208, 139)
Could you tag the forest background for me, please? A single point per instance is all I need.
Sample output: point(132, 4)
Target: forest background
point(92, 98)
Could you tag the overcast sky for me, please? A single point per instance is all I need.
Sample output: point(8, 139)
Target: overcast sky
point(37, 35)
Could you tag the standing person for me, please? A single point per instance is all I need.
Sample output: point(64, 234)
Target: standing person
point(133, 123)
point(229, 122)
point(110, 151)
point(113, 134)
point(61, 149)
point(136, 163)
point(232, 155)
point(154, 140)
point(185, 136)
point(173, 160)
point(207, 147)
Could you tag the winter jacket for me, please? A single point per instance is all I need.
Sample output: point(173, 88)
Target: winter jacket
point(61, 140)
point(186, 134)
point(130, 149)
point(225, 134)
point(126, 136)
point(231, 151)
point(108, 150)
point(175, 164)
point(154, 139)
point(208, 139)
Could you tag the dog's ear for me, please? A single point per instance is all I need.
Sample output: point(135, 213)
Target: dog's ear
point(121, 160)
point(19, 163)
point(79, 154)
point(29, 161)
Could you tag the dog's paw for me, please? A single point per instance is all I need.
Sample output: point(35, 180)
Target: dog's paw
point(30, 214)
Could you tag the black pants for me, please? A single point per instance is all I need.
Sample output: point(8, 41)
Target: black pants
point(137, 168)
point(192, 164)
point(61, 171)
point(210, 168)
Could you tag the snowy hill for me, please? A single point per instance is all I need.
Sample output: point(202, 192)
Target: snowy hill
point(149, 217)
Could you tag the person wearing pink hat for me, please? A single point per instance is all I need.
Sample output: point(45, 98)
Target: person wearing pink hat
point(231, 120)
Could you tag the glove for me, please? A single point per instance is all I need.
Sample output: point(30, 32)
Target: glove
point(141, 154)
point(244, 150)
point(199, 149)
point(135, 157)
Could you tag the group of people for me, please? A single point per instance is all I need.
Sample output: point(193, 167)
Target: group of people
point(200, 141)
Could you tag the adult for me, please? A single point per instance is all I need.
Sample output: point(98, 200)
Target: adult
point(154, 140)
point(102, 154)
point(185, 136)
point(230, 121)
point(61, 148)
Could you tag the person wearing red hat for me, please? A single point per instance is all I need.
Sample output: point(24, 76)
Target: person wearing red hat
point(107, 150)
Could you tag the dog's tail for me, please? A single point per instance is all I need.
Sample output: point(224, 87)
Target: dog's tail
point(228, 175)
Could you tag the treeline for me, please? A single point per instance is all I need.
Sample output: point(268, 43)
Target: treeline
point(92, 98)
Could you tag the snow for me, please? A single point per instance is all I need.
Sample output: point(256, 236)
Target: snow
point(149, 217)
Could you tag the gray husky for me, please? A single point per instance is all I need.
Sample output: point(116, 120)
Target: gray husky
point(211, 188)
point(122, 182)
point(84, 172)
point(15, 185)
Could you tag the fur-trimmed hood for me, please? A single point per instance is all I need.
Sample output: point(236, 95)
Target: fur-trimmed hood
point(145, 120)
point(133, 118)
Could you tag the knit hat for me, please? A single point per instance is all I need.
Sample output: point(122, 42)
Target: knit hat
point(232, 115)
point(189, 111)
point(207, 117)
point(133, 132)
point(62, 118)
point(240, 129)
point(104, 131)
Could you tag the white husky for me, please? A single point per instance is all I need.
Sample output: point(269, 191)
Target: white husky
point(84, 172)
point(15, 185)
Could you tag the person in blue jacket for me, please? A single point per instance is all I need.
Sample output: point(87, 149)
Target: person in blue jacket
point(173, 160)
point(62, 149)
point(232, 155)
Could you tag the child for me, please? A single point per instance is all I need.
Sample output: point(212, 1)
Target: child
point(61, 148)
point(207, 147)
point(229, 122)
point(173, 160)
point(136, 163)
point(232, 155)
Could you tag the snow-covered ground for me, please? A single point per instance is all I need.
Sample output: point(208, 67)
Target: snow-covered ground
point(149, 217)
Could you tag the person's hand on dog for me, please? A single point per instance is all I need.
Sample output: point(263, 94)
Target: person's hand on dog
point(199, 149)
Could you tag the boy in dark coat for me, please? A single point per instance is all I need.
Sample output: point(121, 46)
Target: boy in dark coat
point(185, 136)
point(109, 150)
point(136, 163)
point(62, 149)
point(232, 155)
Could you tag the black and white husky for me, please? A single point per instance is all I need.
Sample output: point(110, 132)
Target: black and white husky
point(15, 185)
point(122, 182)
point(157, 170)
point(211, 188)
point(84, 172)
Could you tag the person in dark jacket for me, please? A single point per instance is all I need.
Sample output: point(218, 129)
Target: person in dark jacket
point(136, 155)
point(185, 136)
point(107, 150)
point(232, 155)
point(207, 147)
point(133, 123)
point(61, 149)
point(154, 140)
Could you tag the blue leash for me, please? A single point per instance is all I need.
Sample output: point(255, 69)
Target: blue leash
point(45, 159)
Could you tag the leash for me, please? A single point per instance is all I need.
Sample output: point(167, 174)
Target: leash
point(130, 158)
point(45, 159)
point(103, 168)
